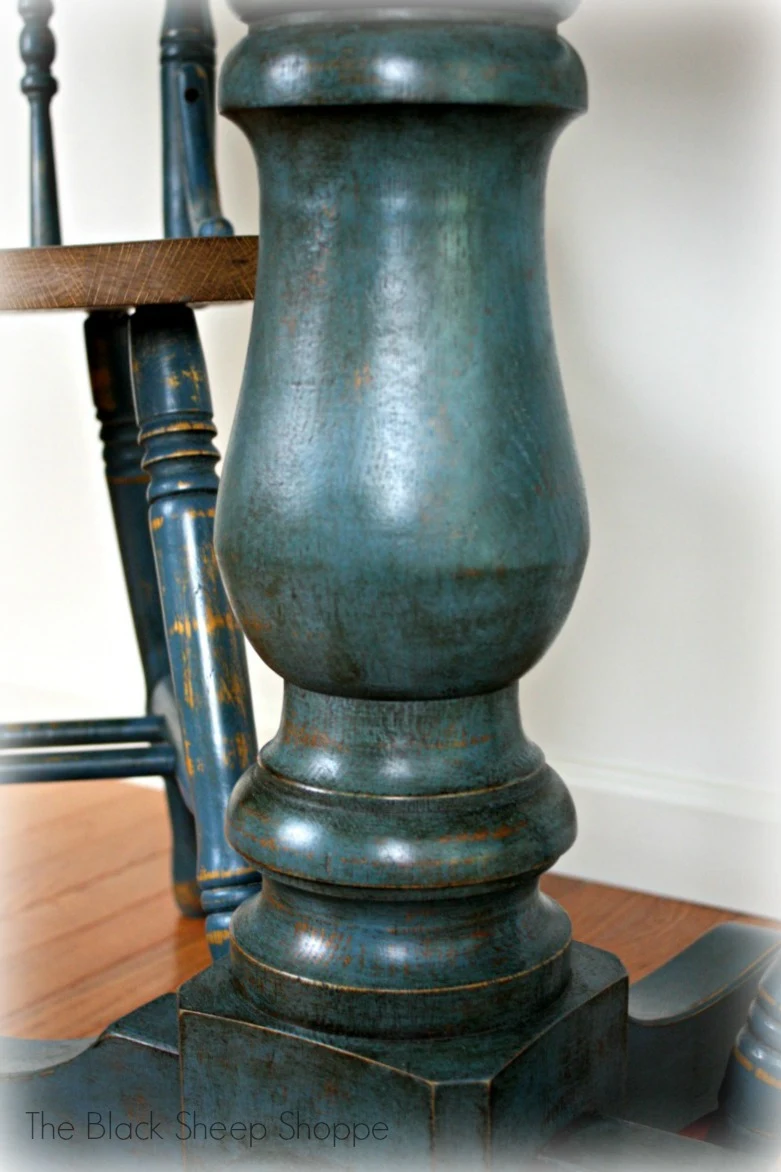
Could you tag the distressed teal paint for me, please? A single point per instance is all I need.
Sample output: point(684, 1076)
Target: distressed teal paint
point(402, 528)
point(86, 765)
point(412, 525)
point(107, 341)
point(37, 48)
point(470, 1100)
point(614, 1145)
point(683, 1019)
point(401, 523)
point(190, 190)
point(224, 723)
point(750, 1097)
point(131, 1070)
point(210, 687)
point(63, 733)
point(107, 337)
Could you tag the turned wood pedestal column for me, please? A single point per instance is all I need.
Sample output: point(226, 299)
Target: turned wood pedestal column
point(402, 528)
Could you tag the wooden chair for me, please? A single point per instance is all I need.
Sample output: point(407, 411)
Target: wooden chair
point(151, 394)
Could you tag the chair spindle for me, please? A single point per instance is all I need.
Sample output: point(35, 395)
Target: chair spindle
point(37, 48)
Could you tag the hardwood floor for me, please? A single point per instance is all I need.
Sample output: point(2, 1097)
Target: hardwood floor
point(89, 929)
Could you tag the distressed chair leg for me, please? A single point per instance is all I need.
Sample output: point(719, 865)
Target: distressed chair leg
point(749, 1115)
point(39, 87)
point(682, 1021)
point(108, 354)
point(184, 851)
point(205, 646)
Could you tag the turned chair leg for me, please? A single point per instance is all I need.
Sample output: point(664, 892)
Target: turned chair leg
point(208, 699)
point(108, 355)
point(218, 741)
point(750, 1097)
point(682, 1021)
point(39, 87)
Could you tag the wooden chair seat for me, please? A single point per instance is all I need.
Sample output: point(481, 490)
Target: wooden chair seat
point(120, 276)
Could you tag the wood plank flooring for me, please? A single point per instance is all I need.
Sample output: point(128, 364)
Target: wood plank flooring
point(89, 929)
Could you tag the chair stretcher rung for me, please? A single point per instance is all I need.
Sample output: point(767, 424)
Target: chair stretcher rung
point(87, 765)
point(61, 734)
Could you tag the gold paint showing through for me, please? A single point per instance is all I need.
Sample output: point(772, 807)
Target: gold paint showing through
point(219, 936)
point(763, 995)
point(142, 478)
point(757, 1071)
point(212, 622)
point(206, 876)
point(187, 896)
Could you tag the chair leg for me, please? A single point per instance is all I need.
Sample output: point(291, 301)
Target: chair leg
point(108, 355)
point(682, 1022)
point(184, 854)
point(205, 645)
point(749, 1116)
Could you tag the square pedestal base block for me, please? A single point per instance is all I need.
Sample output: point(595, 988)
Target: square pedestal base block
point(259, 1090)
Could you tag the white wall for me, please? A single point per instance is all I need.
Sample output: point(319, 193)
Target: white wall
point(66, 642)
point(660, 700)
point(665, 249)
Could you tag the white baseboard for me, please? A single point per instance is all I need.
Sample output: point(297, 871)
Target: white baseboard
point(706, 841)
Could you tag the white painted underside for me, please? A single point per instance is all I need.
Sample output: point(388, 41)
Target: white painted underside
point(542, 13)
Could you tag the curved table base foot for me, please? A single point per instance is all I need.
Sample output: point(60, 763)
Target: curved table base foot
point(99, 1102)
point(117, 1098)
point(683, 1020)
point(616, 1145)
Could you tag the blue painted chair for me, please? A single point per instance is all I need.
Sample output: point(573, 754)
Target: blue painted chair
point(151, 394)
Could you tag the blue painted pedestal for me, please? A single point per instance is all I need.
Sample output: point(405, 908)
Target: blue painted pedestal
point(401, 528)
